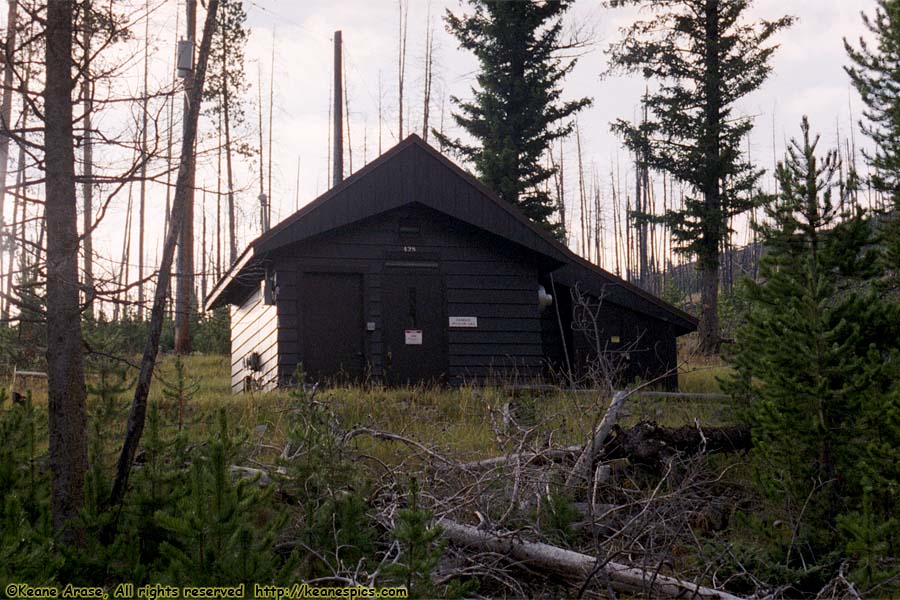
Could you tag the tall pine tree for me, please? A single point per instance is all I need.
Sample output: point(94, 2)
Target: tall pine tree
point(704, 57)
point(517, 111)
point(875, 74)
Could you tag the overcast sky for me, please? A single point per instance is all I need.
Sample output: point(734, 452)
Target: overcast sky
point(808, 79)
point(808, 74)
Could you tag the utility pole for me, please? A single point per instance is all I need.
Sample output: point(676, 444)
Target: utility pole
point(338, 136)
point(185, 283)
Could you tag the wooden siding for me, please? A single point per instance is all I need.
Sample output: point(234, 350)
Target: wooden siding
point(412, 172)
point(254, 328)
point(483, 275)
point(646, 348)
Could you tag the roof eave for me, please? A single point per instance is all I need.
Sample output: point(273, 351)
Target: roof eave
point(216, 297)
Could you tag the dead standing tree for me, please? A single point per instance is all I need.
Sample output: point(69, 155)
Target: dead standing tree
point(6, 116)
point(65, 367)
point(96, 70)
point(401, 62)
point(183, 183)
point(184, 288)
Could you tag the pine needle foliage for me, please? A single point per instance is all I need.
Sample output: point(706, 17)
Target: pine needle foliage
point(420, 544)
point(875, 73)
point(702, 57)
point(335, 519)
point(516, 112)
point(816, 363)
point(26, 534)
point(218, 531)
point(226, 81)
point(179, 391)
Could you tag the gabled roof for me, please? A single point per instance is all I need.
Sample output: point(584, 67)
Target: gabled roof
point(412, 171)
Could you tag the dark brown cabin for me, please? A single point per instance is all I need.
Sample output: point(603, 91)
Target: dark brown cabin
point(412, 271)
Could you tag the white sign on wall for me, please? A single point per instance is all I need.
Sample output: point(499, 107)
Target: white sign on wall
point(469, 322)
point(413, 337)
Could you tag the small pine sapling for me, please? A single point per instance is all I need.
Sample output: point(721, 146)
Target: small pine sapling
point(816, 362)
point(180, 391)
point(26, 535)
point(217, 534)
point(420, 544)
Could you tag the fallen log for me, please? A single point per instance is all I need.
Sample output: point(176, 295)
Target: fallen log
point(582, 467)
point(548, 455)
point(650, 445)
point(576, 565)
point(638, 443)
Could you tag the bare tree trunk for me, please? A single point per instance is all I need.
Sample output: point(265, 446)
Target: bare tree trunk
point(401, 63)
point(232, 237)
point(346, 101)
point(122, 284)
point(541, 557)
point(599, 248)
point(262, 168)
point(329, 177)
point(65, 367)
point(6, 116)
point(219, 203)
point(271, 106)
point(297, 188)
point(429, 67)
point(629, 274)
point(169, 156)
point(88, 167)
point(19, 200)
point(558, 190)
point(17, 203)
point(443, 109)
point(204, 254)
point(380, 117)
point(143, 197)
point(582, 466)
point(184, 291)
point(615, 218)
point(585, 252)
point(561, 190)
point(708, 258)
point(708, 329)
point(183, 186)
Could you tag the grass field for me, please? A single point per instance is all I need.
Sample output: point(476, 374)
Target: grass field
point(465, 422)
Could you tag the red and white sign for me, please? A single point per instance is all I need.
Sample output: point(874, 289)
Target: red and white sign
point(413, 337)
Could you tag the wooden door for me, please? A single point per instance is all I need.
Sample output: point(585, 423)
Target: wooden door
point(415, 325)
point(332, 326)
